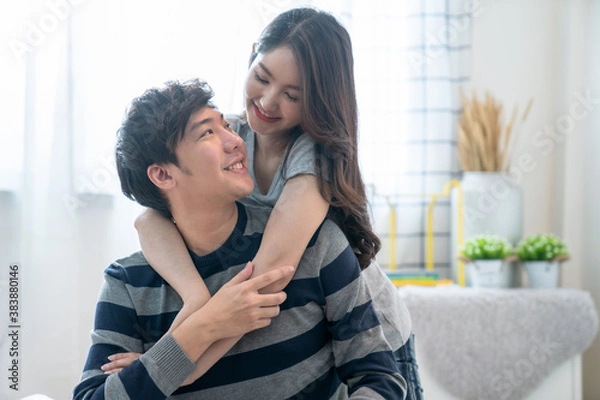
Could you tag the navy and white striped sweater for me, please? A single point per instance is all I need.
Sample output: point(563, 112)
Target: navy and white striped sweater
point(327, 342)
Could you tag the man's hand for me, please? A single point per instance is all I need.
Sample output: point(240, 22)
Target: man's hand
point(237, 308)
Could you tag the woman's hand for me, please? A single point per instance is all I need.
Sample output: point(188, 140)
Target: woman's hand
point(119, 361)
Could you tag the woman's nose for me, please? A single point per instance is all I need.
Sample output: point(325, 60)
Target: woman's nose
point(268, 102)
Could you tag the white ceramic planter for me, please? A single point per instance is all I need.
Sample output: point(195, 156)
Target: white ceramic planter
point(542, 274)
point(492, 203)
point(489, 274)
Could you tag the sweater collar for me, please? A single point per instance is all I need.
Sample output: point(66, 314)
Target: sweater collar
point(219, 256)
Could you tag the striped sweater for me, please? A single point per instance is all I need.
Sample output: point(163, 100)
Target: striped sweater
point(327, 342)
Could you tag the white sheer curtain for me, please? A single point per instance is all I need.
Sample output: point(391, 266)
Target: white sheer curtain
point(61, 241)
point(71, 67)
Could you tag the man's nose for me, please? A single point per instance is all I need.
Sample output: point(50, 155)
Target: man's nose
point(231, 140)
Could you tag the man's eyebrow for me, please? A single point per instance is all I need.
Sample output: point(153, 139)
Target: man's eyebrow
point(208, 120)
point(271, 75)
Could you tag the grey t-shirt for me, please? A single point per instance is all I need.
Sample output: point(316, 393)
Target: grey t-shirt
point(394, 316)
point(300, 160)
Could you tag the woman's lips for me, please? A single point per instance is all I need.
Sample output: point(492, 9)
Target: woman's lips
point(262, 116)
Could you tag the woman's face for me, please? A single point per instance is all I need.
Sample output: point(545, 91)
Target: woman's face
point(273, 90)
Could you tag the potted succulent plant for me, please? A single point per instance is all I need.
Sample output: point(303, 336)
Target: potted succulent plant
point(486, 257)
point(541, 255)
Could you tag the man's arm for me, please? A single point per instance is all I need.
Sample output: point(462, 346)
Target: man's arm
point(364, 359)
point(235, 309)
point(117, 329)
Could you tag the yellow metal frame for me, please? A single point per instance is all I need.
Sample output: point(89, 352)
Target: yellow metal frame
point(459, 233)
point(392, 237)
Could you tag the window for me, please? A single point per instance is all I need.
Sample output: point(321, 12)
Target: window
point(85, 61)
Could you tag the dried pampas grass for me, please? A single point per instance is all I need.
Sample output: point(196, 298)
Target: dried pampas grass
point(484, 142)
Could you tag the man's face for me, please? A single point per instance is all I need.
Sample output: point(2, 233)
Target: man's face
point(213, 162)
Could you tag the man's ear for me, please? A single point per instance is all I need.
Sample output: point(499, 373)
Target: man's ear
point(161, 176)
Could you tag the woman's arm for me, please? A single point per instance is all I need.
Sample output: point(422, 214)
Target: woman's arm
point(166, 252)
point(297, 214)
point(295, 218)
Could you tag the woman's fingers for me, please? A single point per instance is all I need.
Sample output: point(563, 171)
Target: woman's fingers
point(113, 371)
point(119, 361)
point(118, 356)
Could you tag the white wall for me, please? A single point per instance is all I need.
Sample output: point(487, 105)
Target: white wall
point(590, 274)
point(514, 56)
point(542, 49)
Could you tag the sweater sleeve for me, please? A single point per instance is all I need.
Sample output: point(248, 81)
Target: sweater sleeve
point(155, 375)
point(364, 359)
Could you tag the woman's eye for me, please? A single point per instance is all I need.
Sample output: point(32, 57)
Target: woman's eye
point(291, 98)
point(261, 80)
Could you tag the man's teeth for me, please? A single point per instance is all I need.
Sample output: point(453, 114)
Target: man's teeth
point(235, 166)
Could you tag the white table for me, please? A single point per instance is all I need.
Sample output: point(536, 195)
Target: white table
point(500, 343)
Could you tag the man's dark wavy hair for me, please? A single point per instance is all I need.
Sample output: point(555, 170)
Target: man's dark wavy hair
point(153, 126)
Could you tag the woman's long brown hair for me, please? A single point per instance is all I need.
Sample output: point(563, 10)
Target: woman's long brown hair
point(323, 51)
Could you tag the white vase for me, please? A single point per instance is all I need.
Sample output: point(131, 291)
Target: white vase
point(493, 204)
point(489, 274)
point(542, 274)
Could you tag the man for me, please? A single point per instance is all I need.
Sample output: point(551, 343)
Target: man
point(177, 154)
